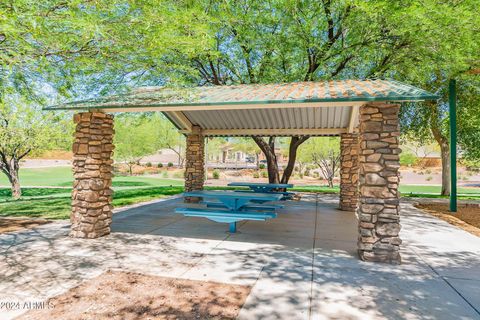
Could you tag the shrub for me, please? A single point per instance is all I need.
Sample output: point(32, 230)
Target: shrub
point(160, 165)
point(471, 165)
point(261, 166)
point(256, 175)
point(170, 164)
point(165, 174)
point(306, 172)
point(178, 174)
point(408, 159)
point(264, 174)
point(216, 174)
point(429, 178)
point(148, 164)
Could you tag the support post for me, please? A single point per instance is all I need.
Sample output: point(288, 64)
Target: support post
point(194, 162)
point(349, 171)
point(453, 144)
point(92, 171)
point(378, 208)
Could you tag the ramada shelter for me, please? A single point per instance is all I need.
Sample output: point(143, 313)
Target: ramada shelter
point(364, 113)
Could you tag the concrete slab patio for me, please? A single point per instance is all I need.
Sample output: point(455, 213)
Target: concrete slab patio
point(302, 265)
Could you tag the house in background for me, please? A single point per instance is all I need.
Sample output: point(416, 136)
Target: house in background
point(227, 154)
point(165, 156)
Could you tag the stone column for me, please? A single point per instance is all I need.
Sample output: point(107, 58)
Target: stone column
point(378, 211)
point(349, 171)
point(92, 170)
point(194, 162)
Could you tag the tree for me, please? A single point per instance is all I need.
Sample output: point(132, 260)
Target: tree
point(325, 153)
point(469, 116)
point(440, 43)
point(277, 41)
point(214, 146)
point(167, 136)
point(248, 146)
point(268, 149)
point(24, 129)
point(133, 139)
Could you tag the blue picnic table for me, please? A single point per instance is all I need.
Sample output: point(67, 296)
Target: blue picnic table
point(232, 207)
point(259, 187)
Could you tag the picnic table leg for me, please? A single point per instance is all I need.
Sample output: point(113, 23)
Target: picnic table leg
point(233, 227)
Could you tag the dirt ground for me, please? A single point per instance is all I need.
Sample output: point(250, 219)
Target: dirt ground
point(467, 217)
point(15, 224)
point(124, 295)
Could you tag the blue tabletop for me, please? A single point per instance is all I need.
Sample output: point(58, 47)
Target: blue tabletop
point(259, 184)
point(235, 195)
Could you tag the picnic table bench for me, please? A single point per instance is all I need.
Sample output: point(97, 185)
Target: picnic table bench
point(232, 207)
point(270, 188)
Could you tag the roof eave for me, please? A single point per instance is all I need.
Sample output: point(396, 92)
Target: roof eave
point(340, 101)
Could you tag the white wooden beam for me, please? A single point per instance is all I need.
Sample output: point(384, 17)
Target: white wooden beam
point(181, 119)
point(231, 107)
point(272, 132)
point(353, 118)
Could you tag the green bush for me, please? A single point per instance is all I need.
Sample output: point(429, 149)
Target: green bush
point(408, 159)
point(256, 175)
point(178, 174)
point(148, 164)
point(165, 174)
point(261, 166)
point(160, 165)
point(170, 164)
point(216, 174)
point(264, 174)
point(471, 165)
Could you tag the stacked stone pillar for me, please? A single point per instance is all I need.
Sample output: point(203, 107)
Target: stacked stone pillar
point(194, 162)
point(349, 149)
point(378, 208)
point(92, 169)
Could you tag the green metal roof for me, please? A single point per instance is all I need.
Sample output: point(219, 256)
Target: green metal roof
point(262, 94)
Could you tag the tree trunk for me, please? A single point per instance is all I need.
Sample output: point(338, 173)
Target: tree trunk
point(445, 155)
point(330, 182)
point(15, 183)
point(272, 165)
point(268, 150)
point(442, 140)
point(295, 142)
point(11, 167)
point(257, 159)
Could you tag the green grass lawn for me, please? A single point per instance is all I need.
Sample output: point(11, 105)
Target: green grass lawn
point(54, 203)
point(62, 177)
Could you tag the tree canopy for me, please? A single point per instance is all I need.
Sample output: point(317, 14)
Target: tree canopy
point(52, 50)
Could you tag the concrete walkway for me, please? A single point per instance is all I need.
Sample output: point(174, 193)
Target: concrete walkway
point(302, 265)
